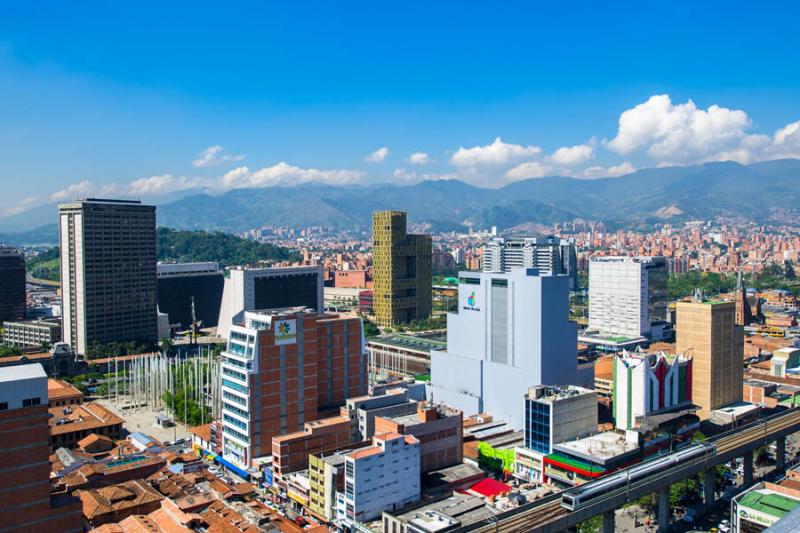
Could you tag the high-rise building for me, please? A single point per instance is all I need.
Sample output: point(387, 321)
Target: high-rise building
point(511, 331)
point(707, 332)
point(184, 288)
point(627, 294)
point(26, 500)
point(549, 256)
point(12, 285)
point(646, 384)
point(744, 313)
point(401, 271)
point(283, 368)
point(248, 289)
point(108, 272)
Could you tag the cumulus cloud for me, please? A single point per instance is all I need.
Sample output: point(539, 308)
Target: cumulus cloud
point(494, 154)
point(378, 155)
point(531, 169)
point(571, 156)
point(213, 156)
point(676, 134)
point(286, 175)
point(419, 158)
point(85, 189)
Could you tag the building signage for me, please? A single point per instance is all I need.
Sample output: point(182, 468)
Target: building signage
point(285, 332)
point(472, 303)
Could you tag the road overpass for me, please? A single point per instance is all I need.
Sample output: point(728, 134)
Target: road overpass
point(547, 515)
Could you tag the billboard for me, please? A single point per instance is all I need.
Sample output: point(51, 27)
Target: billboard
point(285, 332)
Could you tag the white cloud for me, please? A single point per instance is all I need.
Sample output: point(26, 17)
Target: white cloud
point(21, 207)
point(531, 169)
point(378, 155)
point(163, 183)
point(609, 172)
point(284, 174)
point(679, 134)
point(571, 156)
point(213, 156)
point(85, 189)
point(419, 158)
point(494, 154)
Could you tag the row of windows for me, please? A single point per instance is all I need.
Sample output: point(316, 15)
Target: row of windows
point(235, 421)
point(234, 374)
point(241, 436)
point(234, 409)
point(235, 386)
point(228, 396)
point(29, 402)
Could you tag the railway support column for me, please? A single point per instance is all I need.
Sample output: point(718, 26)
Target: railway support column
point(663, 510)
point(709, 479)
point(608, 522)
point(780, 454)
point(747, 467)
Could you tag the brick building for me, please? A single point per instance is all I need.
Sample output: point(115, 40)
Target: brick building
point(27, 502)
point(290, 452)
point(282, 369)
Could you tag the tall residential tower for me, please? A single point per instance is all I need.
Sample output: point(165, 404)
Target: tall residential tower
point(401, 266)
point(12, 285)
point(549, 255)
point(108, 272)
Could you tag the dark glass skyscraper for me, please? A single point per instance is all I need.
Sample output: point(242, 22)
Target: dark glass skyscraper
point(12, 285)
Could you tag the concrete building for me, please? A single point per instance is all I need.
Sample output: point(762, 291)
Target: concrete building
point(552, 415)
point(784, 359)
point(362, 410)
point(577, 461)
point(26, 502)
point(511, 331)
point(626, 294)
point(401, 270)
point(186, 288)
point(381, 477)
point(283, 368)
point(59, 361)
point(707, 332)
point(440, 430)
point(31, 333)
point(549, 256)
point(71, 423)
point(12, 285)
point(108, 272)
point(647, 384)
point(248, 289)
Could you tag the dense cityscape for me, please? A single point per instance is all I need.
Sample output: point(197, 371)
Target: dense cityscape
point(399, 267)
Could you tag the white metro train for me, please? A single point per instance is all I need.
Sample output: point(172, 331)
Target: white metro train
point(607, 485)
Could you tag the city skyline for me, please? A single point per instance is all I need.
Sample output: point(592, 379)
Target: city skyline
point(184, 110)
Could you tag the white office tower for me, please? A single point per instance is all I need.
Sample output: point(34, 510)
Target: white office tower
point(251, 289)
point(626, 294)
point(511, 331)
point(549, 256)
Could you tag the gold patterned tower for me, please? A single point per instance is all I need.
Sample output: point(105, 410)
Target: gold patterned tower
point(401, 265)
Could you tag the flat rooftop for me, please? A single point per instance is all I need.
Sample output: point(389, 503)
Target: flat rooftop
point(410, 342)
point(601, 448)
point(14, 373)
point(465, 508)
point(769, 502)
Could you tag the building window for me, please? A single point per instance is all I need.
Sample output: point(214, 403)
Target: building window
point(3, 406)
point(30, 402)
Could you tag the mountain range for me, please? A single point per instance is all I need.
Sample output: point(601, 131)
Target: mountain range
point(758, 192)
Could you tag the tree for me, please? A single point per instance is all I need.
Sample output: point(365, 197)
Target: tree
point(9, 351)
point(788, 270)
point(370, 329)
point(166, 346)
point(592, 525)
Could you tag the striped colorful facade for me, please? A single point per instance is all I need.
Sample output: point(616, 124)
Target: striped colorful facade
point(649, 383)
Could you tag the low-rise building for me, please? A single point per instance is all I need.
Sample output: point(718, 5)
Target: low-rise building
point(59, 361)
point(553, 415)
point(117, 502)
point(61, 393)
point(439, 428)
point(381, 477)
point(576, 462)
point(31, 333)
point(326, 474)
point(362, 410)
point(761, 506)
point(290, 452)
point(72, 423)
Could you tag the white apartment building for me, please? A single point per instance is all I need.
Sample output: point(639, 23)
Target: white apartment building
point(626, 294)
point(378, 478)
point(549, 255)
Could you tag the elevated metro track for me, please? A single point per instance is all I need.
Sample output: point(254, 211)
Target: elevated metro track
point(548, 515)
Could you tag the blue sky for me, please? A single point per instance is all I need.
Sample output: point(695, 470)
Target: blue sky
point(99, 98)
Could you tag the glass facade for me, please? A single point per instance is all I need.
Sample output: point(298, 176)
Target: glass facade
point(286, 291)
point(537, 426)
point(175, 298)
